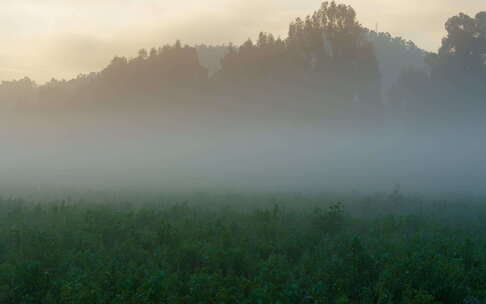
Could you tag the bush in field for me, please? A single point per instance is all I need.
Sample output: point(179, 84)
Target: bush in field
point(202, 253)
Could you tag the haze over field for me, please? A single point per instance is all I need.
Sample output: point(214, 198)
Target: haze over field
point(326, 103)
point(242, 151)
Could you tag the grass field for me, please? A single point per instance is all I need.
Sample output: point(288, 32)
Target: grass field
point(209, 248)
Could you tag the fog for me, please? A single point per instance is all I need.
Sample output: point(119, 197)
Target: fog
point(186, 151)
point(242, 151)
point(334, 106)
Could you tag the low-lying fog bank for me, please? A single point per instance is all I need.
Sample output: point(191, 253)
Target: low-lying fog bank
point(188, 150)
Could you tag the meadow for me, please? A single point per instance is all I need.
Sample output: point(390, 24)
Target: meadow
point(243, 248)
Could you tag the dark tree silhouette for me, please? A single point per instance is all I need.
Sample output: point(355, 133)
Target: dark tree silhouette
point(328, 63)
point(456, 84)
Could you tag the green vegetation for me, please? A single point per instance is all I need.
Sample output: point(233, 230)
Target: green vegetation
point(243, 249)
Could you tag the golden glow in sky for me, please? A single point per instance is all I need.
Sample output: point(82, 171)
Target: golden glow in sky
point(62, 38)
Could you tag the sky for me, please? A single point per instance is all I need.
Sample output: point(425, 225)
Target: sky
point(63, 38)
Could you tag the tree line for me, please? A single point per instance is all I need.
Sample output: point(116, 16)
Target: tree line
point(327, 58)
point(455, 79)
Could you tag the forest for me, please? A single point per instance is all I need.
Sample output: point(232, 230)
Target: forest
point(328, 61)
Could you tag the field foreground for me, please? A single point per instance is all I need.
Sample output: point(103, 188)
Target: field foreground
point(243, 249)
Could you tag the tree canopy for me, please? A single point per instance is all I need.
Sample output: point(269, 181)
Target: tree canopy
point(328, 58)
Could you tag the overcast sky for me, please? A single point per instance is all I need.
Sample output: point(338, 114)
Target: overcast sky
point(61, 38)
